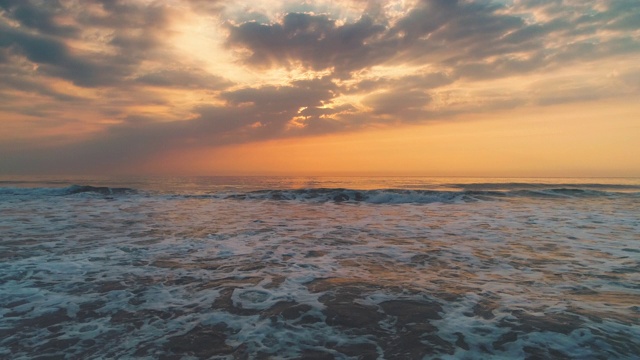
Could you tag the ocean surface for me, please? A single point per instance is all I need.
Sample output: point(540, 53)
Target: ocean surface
point(319, 268)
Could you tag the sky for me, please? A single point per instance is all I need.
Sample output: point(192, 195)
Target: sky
point(326, 87)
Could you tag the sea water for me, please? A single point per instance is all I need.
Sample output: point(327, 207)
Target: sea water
point(319, 268)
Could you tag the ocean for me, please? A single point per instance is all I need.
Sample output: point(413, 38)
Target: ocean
point(319, 268)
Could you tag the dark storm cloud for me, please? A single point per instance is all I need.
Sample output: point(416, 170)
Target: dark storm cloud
point(38, 15)
point(268, 108)
point(137, 29)
point(316, 41)
point(461, 35)
point(56, 59)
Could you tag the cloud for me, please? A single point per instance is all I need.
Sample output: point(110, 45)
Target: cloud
point(55, 58)
point(249, 74)
point(183, 78)
point(265, 112)
point(319, 42)
point(119, 53)
point(207, 6)
point(250, 114)
point(314, 41)
point(397, 103)
point(134, 30)
point(41, 16)
point(30, 86)
point(455, 34)
point(419, 81)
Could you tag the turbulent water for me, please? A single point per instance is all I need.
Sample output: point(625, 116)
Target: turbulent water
point(344, 268)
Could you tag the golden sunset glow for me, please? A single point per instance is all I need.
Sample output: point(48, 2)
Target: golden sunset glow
point(430, 87)
point(527, 142)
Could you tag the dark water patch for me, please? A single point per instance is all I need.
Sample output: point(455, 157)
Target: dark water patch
point(409, 311)
point(342, 308)
point(312, 354)
point(89, 311)
point(107, 286)
point(287, 310)
point(14, 338)
point(630, 267)
point(315, 253)
point(582, 290)
point(543, 353)
point(401, 328)
point(461, 342)
point(54, 348)
point(509, 337)
point(362, 351)
point(202, 342)
point(47, 320)
point(144, 316)
point(563, 323)
point(484, 309)
point(355, 317)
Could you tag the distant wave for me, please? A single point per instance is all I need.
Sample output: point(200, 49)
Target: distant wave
point(399, 196)
point(543, 186)
point(69, 190)
point(467, 193)
point(388, 196)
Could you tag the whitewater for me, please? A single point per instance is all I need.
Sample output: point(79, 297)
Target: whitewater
point(319, 268)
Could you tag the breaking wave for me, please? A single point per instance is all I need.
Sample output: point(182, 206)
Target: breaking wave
point(465, 193)
point(69, 190)
point(546, 186)
point(401, 196)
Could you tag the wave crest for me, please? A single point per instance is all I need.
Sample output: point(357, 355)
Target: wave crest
point(401, 196)
point(69, 190)
point(468, 193)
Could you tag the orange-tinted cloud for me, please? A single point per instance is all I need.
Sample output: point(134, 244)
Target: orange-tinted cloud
point(130, 79)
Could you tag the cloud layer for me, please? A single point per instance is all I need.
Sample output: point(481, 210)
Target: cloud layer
point(98, 83)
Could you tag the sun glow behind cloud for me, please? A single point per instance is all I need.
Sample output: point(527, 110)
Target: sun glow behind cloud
point(103, 86)
point(529, 142)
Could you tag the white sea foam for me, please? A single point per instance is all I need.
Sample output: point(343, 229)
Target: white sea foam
point(480, 271)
